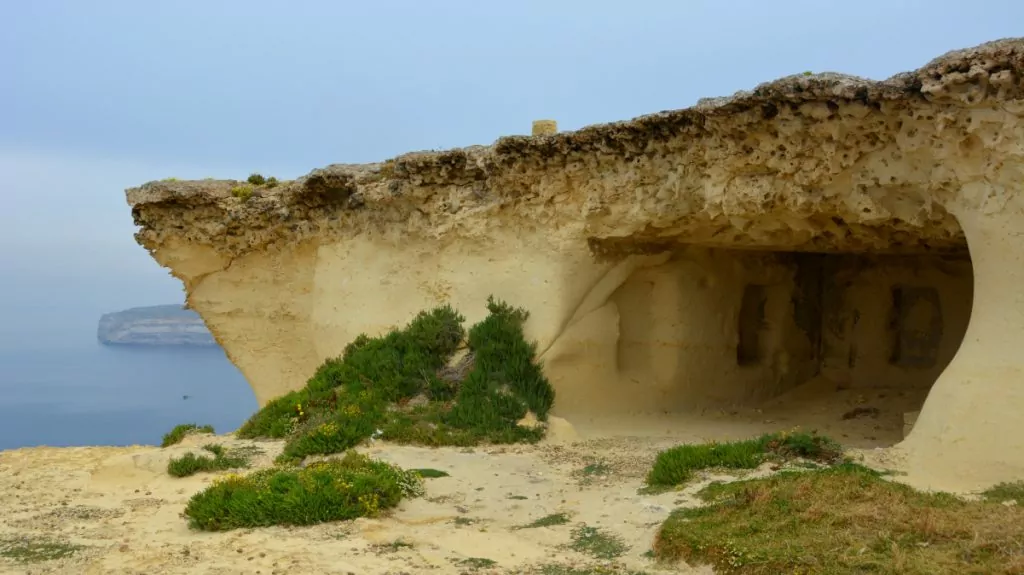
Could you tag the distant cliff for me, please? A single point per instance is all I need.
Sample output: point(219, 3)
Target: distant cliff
point(154, 325)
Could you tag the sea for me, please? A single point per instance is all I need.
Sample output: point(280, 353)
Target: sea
point(95, 394)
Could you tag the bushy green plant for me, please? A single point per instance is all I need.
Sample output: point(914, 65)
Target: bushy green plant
point(334, 490)
point(676, 465)
point(179, 432)
point(242, 192)
point(190, 463)
point(505, 381)
point(367, 389)
point(256, 179)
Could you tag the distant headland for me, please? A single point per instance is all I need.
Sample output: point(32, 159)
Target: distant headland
point(159, 325)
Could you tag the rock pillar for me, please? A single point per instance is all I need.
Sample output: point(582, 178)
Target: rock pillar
point(970, 432)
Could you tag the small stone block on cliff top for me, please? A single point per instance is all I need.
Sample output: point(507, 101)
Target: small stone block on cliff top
point(545, 127)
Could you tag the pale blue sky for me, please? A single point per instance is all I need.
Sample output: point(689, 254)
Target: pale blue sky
point(101, 95)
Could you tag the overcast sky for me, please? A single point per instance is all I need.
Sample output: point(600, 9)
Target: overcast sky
point(100, 95)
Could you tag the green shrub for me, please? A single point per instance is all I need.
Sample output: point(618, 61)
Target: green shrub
point(505, 381)
point(341, 489)
point(179, 432)
point(676, 465)
point(370, 388)
point(242, 192)
point(1007, 491)
point(190, 463)
point(256, 179)
point(271, 182)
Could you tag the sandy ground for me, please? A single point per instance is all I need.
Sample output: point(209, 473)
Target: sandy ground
point(123, 508)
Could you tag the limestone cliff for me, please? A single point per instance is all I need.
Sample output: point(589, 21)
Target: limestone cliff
point(670, 261)
point(154, 326)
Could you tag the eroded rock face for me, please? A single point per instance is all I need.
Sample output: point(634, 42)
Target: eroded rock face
point(592, 229)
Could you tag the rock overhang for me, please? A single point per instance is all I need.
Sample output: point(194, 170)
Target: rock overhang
point(926, 161)
point(820, 162)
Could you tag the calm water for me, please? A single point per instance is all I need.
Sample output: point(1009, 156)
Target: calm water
point(100, 395)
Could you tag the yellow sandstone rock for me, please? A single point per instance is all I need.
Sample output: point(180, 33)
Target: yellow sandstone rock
point(822, 227)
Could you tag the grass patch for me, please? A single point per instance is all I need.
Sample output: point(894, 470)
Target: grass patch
point(190, 463)
point(179, 432)
point(594, 471)
point(428, 473)
point(844, 519)
point(242, 192)
point(555, 569)
point(334, 490)
point(393, 384)
point(1005, 492)
point(552, 520)
point(475, 563)
point(36, 550)
point(676, 466)
point(597, 469)
point(596, 543)
point(393, 547)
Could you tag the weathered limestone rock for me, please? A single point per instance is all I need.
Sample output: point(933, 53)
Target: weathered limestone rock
point(909, 419)
point(721, 254)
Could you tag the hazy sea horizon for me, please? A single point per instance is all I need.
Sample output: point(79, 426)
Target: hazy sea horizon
point(95, 394)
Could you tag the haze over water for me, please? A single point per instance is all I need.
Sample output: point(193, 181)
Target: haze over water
point(93, 394)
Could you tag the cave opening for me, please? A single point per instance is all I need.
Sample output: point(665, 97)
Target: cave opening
point(848, 343)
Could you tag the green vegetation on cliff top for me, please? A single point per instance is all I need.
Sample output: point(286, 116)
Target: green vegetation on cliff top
point(179, 432)
point(841, 519)
point(335, 490)
point(675, 466)
point(401, 387)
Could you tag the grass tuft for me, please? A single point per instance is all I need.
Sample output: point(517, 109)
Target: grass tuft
point(477, 563)
point(556, 569)
point(428, 473)
point(394, 546)
point(676, 465)
point(334, 490)
point(843, 519)
point(1005, 492)
point(596, 543)
point(389, 387)
point(36, 550)
point(552, 520)
point(190, 463)
point(179, 432)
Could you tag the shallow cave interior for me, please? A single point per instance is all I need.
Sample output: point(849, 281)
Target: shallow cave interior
point(846, 341)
